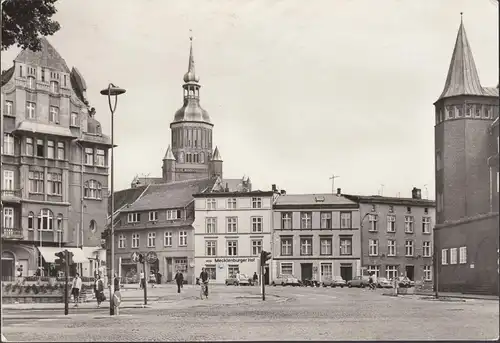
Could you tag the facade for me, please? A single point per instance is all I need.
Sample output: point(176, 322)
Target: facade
point(466, 172)
point(397, 235)
point(54, 166)
point(316, 236)
point(231, 228)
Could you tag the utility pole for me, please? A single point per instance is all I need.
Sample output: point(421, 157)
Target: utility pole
point(382, 189)
point(333, 177)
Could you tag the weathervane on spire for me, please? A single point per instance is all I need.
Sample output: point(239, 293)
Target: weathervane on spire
point(190, 35)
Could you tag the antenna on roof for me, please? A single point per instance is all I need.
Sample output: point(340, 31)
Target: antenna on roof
point(426, 192)
point(382, 189)
point(333, 177)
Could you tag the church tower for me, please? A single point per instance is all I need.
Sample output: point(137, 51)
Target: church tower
point(464, 113)
point(191, 132)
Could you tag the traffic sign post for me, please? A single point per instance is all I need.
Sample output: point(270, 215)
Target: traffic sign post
point(151, 257)
point(134, 257)
point(142, 260)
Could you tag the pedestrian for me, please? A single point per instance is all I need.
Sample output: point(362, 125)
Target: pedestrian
point(375, 281)
point(142, 283)
point(76, 288)
point(370, 281)
point(204, 283)
point(179, 279)
point(158, 278)
point(19, 275)
point(255, 278)
point(238, 277)
point(117, 282)
point(99, 291)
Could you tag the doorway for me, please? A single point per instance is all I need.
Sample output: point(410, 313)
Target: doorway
point(346, 271)
point(306, 271)
point(410, 272)
point(169, 269)
point(266, 275)
point(7, 266)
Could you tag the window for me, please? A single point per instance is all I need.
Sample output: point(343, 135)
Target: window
point(305, 220)
point(391, 272)
point(256, 224)
point(36, 181)
point(74, 119)
point(211, 225)
point(468, 110)
point(50, 149)
point(486, 112)
point(409, 224)
point(345, 246)
point(391, 223)
point(286, 246)
point(21, 71)
point(89, 156)
point(167, 239)
point(54, 183)
point(409, 248)
point(477, 111)
point(29, 146)
point(211, 248)
point(100, 159)
point(326, 271)
point(211, 204)
point(8, 144)
point(372, 219)
point(256, 202)
point(325, 246)
point(183, 239)
point(426, 247)
point(459, 110)
point(31, 82)
point(306, 246)
point(134, 217)
point(153, 216)
point(256, 247)
point(453, 256)
point(232, 224)
point(231, 203)
point(232, 248)
point(54, 87)
point(345, 220)
point(426, 225)
point(326, 220)
point(174, 214)
point(31, 221)
point(391, 247)
point(233, 269)
point(60, 151)
point(151, 239)
point(93, 226)
point(59, 227)
point(373, 247)
point(8, 180)
point(92, 190)
point(427, 273)
point(8, 217)
point(374, 269)
point(286, 268)
point(408, 210)
point(135, 240)
point(31, 110)
point(121, 241)
point(444, 256)
point(286, 220)
point(426, 210)
point(45, 220)
point(54, 115)
point(463, 255)
point(40, 150)
point(9, 105)
point(211, 271)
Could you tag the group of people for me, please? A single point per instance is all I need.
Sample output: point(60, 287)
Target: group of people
point(76, 288)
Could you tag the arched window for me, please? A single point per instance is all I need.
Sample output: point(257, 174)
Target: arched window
point(188, 158)
point(92, 189)
point(59, 222)
point(93, 226)
point(31, 221)
point(45, 220)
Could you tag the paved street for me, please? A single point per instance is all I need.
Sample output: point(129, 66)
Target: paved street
point(237, 313)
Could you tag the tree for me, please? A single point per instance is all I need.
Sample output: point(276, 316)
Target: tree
point(25, 21)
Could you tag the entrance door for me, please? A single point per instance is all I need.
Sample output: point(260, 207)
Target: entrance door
point(266, 275)
point(410, 272)
point(169, 269)
point(346, 272)
point(306, 270)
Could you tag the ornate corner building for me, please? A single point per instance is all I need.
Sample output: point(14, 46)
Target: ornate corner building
point(466, 174)
point(54, 166)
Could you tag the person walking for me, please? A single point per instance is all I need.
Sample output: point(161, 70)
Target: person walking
point(76, 288)
point(142, 283)
point(375, 281)
point(255, 278)
point(179, 279)
point(116, 282)
point(158, 278)
point(204, 283)
point(238, 277)
point(99, 291)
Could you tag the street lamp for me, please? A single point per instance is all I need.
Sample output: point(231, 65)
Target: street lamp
point(361, 239)
point(112, 92)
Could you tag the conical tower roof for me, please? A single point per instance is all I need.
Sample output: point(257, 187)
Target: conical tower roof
point(462, 78)
point(216, 156)
point(169, 155)
point(47, 57)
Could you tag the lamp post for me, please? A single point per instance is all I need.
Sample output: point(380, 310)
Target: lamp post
point(112, 92)
point(361, 239)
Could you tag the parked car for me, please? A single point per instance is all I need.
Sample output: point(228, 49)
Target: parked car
point(406, 282)
point(286, 280)
point(358, 281)
point(309, 282)
point(231, 280)
point(245, 280)
point(383, 282)
point(334, 282)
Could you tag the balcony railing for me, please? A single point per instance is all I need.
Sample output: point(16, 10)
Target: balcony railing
point(11, 194)
point(12, 233)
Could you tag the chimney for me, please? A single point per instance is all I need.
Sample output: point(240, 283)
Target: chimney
point(227, 188)
point(416, 193)
point(339, 191)
point(283, 192)
point(273, 186)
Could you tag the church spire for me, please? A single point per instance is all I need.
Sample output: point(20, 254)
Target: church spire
point(191, 76)
point(462, 78)
point(169, 155)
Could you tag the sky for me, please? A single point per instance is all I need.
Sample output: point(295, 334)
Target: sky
point(298, 91)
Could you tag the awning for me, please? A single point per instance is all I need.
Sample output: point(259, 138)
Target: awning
point(49, 254)
point(34, 127)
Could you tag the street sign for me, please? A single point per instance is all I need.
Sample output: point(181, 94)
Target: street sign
point(151, 257)
point(135, 257)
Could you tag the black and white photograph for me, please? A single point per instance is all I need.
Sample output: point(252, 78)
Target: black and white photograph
point(249, 170)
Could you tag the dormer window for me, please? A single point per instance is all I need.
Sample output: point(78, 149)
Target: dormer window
point(31, 82)
point(174, 214)
point(54, 87)
point(319, 199)
point(134, 217)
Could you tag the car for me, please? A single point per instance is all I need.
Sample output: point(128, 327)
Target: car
point(309, 282)
point(232, 280)
point(358, 281)
point(405, 282)
point(244, 280)
point(383, 282)
point(334, 282)
point(286, 280)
